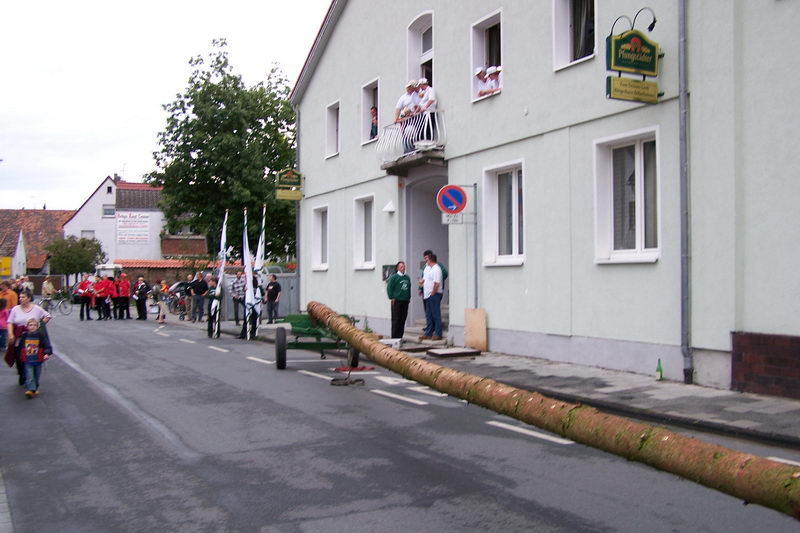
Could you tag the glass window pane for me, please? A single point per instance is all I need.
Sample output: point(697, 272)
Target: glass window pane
point(323, 234)
point(650, 195)
point(624, 176)
point(520, 216)
point(505, 206)
point(427, 40)
point(493, 51)
point(582, 26)
point(367, 231)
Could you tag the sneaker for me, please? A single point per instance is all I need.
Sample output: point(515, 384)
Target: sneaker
point(30, 394)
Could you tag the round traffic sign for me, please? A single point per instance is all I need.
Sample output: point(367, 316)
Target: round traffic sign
point(451, 199)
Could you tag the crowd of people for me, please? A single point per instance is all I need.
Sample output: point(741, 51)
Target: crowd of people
point(490, 80)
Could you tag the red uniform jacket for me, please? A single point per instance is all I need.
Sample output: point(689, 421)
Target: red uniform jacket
point(124, 288)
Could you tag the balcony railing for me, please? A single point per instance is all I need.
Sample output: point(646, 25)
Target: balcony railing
point(418, 133)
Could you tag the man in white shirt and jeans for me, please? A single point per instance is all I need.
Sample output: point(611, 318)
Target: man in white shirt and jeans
point(431, 284)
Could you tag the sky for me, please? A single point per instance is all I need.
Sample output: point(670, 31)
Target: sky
point(83, 82)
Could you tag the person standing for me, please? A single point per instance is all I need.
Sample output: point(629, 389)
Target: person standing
point(8, 295)
point(84, 292)
point(187, 295)
point(237, 295)
point(140, 290)
point(100, 294)
point(159, 298)
point(273, 298)
point(398, 288)
point(124, 295)
point(214, 294)
point(4, 311)
point(26, 284)
point(17, 323)
point(48, 290)
point(431, 284)
point(35, 349)
point(199, 289)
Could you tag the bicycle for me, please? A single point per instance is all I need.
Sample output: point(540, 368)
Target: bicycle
point(58, 302)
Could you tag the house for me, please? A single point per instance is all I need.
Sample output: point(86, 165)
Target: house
point(597, 230)
point(37, 228)
point(13, 258)
point(125, 217)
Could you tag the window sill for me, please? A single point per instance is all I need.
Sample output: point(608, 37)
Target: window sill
point(364, 143)
point(628, 258)
point(576, 62)
point(331, 155)
point(505, 262)
point(320, 268)
point(365, 266)
point(484, 97)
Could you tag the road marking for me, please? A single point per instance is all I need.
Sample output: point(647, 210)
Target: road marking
point(187, 341)
point(531, 433)
point(314, 375)
point(355, 372)
point(257, 360)
point(787, 461)
point(427, 390)
point(218, 349)
point(390, 380)
point(162, 334)
point(398, 397)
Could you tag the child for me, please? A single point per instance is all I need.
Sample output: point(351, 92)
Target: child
point(35, 349)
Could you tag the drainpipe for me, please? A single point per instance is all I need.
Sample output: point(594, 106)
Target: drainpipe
point(683, 105)
point(297, 204)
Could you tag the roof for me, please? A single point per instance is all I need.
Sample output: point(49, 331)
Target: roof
point(314, 55)
point(137, 197)
point(107, 178)
point(154, 263)
point(8, 243)
point(177, 245)
point(39, 226)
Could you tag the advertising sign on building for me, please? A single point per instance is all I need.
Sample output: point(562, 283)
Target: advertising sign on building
point(632, 52)
point(133, 227)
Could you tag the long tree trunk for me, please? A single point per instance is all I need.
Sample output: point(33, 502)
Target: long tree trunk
point(752, 478)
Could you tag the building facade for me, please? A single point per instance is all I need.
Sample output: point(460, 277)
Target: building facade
point(576, 253)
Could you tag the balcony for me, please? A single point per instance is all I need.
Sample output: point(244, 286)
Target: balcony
point(414, 141)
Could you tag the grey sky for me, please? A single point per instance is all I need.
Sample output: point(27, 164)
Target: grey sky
point(84, 82)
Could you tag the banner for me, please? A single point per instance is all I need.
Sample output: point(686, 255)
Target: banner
point(133, 227)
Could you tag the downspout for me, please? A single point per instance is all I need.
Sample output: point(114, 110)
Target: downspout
point(683, 105)
point(297, 204)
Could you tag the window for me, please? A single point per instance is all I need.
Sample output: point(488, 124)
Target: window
point(363, 233)
point(573, 31)
point(487, 51)
point(108, 210)
point(332, 139)
point(109, 189)
point(504, 215)
point(626, 177)
point(420, 47)
point(369, 118)
point(87, 234)
point(319, 238)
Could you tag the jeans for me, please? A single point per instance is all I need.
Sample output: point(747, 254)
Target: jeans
point(197, 306)
point(272, 310)
point(32, 372)
point(433, 315)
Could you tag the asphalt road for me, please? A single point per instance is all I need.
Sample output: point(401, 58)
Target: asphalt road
point(147, 429)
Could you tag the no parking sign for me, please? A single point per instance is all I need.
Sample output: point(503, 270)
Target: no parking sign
point(451, 199)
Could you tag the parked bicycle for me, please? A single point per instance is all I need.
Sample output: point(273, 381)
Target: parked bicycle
point(60, 302)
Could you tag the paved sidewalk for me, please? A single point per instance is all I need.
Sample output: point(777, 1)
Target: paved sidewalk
point(765, 418)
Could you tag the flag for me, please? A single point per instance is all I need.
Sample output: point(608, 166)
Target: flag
point(249, 296)
point(215, 305)
point(258, 268)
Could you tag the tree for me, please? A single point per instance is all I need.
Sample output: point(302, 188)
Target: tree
point(222, 148)
point(73, 255)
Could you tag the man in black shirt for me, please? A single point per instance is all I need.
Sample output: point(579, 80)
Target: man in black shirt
point(273, 298)
point(199, 289)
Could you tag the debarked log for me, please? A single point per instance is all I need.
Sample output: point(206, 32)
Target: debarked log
point(749, 477)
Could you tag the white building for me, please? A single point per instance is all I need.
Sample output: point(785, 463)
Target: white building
point(579, 196)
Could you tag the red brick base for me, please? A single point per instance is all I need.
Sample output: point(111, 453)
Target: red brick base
point(766, 364)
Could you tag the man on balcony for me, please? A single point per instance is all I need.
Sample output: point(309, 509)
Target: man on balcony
point(407, 105)
point(427, 105)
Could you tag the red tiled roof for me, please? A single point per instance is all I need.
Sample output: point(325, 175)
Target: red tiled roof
point(170, 263)
point(183, 245)
point(132, 186)
point(39, 226)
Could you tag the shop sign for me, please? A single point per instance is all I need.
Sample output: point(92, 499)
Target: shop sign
point(632, 89)
point(289, 177)
point(5, 266)
point(632, 52)
point(289, 194)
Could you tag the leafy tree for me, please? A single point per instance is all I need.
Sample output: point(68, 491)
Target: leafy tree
point(222, 148)
point(73, 255)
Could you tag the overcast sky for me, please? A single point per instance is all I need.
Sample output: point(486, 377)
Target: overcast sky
point(84, 81)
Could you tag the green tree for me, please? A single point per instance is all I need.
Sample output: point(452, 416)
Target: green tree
point(73, 255)
point(222, 148)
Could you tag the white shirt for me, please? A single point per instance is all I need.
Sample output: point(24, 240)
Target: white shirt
point(18, 317)
point(484, 85)
point(429, 95)
point(408, 100)
point(430, 276)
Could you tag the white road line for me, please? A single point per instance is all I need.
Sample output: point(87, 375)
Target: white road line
point(314, 375)
point(162, 334)
point(257, 360)
point(218, 349)
point(787, 461)
point(354, 374)
point(187, 341)
point(531, 433)
point(398, 397)
point(427, 390)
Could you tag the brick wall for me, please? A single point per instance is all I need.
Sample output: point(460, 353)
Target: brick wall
point(766, 364)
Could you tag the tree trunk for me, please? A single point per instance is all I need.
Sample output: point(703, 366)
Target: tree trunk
point(749, 477)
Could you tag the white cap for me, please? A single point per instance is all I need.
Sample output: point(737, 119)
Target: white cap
point(499, 68)
point(491, 70)
point(423, 81)
point(479, 70)
point(411, 83)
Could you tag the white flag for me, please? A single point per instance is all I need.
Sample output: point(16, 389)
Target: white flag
point(249, 297)
point(258, 268)
point(221, 257)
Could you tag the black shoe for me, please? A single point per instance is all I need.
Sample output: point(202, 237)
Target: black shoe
point(90, 318)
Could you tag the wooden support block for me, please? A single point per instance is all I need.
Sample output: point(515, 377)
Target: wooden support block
point(475, 335)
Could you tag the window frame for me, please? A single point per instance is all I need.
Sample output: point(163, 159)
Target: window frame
point(317, 264)
point(562, 36)
point(490, 214)
point(415, 57)
point(360, 262)
point(604, 198)
point(333, 136)
point(366, 104)
point(112, 207)
point(477, 41)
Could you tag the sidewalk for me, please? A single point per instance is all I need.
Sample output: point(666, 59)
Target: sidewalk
point(765, 418)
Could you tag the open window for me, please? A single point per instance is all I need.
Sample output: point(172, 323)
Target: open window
point(487, 53)
point(573, 31)
point(369, 112)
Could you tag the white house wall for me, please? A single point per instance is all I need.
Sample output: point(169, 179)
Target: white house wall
point(90, 218)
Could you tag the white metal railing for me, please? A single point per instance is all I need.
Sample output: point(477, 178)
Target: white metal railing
point(417, 133)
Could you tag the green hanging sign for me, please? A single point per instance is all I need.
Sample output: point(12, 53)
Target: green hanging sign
point(632, 52)
point(289, 177)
